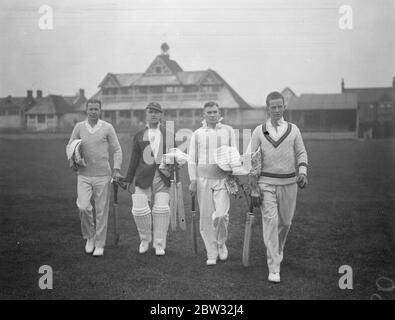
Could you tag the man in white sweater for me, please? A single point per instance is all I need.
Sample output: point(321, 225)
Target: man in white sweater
point(284, 166)
point(97, 137)
point(208, 181)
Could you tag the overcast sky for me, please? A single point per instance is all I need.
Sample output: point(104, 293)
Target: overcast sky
point(256, 46)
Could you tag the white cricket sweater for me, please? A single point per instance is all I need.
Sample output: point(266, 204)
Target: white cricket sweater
point(95, 147)
point(202, 145)
point(281, 158)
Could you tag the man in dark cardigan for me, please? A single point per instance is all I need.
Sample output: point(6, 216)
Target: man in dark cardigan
point(151, 185)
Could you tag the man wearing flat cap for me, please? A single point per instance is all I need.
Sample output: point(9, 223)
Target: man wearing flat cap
point(152, 187)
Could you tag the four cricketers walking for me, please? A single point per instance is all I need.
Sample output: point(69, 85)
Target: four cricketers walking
point(273, 185)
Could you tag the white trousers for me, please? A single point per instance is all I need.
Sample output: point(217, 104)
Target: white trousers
point(99, 188)
point(277, 209)
point(214, 201)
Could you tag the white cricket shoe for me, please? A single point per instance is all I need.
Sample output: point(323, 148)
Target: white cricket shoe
point(159, 251)
point(274, 277)
point(211, 262)
point(144, 246)
point(90, 245)
point(99, 252)
point(223, 252)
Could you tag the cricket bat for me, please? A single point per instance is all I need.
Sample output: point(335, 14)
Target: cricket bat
point(115, 213)
point(194, 226)
point(173, 201)
point(180, 207)
point(247, 236)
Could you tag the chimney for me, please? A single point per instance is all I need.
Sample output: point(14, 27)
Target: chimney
point(82, 93)
point(30, 94)
point(393, 83)
point(39, 94)
point(342, 85)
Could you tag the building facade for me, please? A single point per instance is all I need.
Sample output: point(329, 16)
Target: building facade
point(12, 111)
point(325, 116)
point(182, 94)
point(376, 110)
point(55, 112)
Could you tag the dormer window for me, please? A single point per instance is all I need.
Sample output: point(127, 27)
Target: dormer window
point(158, 70)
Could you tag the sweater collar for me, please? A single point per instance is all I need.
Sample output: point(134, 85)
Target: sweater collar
point(217, 126)
point(95, 128)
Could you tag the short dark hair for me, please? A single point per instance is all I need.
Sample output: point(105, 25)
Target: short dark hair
point(211, 104)
point(272, 96)
point(93, 101)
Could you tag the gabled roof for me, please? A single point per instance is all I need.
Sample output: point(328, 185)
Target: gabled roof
point(191, 77)
point(119, 79)
point(242, 103)
point(342, 101)
point(158, 80)
point(10, 103)
point(371, 95)
point(110, 80)
point(172, 64)
point(289, 90)
point(52, 104)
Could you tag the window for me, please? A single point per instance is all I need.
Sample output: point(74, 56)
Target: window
point(50, 116)
point(191, 89)
point(107, 114)
point(124, 114)
point(158, 70)
point(156, 90)
point(171, 114)
point(216, 88)
point(105, 91)
point(32, 116)
point(185, 113)
point(143, 90)
point(170, 89)
point(114, 91)
point(41, 118)
point(124, 90)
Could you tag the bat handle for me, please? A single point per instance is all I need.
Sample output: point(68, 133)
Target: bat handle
point(251, 206)
point(115, 187)
point(193, 203)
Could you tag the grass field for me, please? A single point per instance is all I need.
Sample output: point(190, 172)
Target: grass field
point(346, 216)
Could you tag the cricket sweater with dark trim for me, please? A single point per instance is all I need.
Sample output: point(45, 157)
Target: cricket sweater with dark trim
point(281, 158)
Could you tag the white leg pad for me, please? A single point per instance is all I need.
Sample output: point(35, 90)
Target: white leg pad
point(161, 219)
point(143, 220)
point(139, 201)
point(162, 199)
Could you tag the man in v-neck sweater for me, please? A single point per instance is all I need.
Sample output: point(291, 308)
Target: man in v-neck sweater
point(98, 138)
point(284, 166)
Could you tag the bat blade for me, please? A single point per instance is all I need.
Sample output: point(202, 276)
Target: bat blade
point(247, 238)
point(115, 214)
point(173, 205)
point(180, 207)
point(194, 226)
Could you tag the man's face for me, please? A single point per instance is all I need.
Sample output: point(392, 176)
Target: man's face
point(153, 116)
point(211, 114)
point(276, 109)
point(93, 111)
